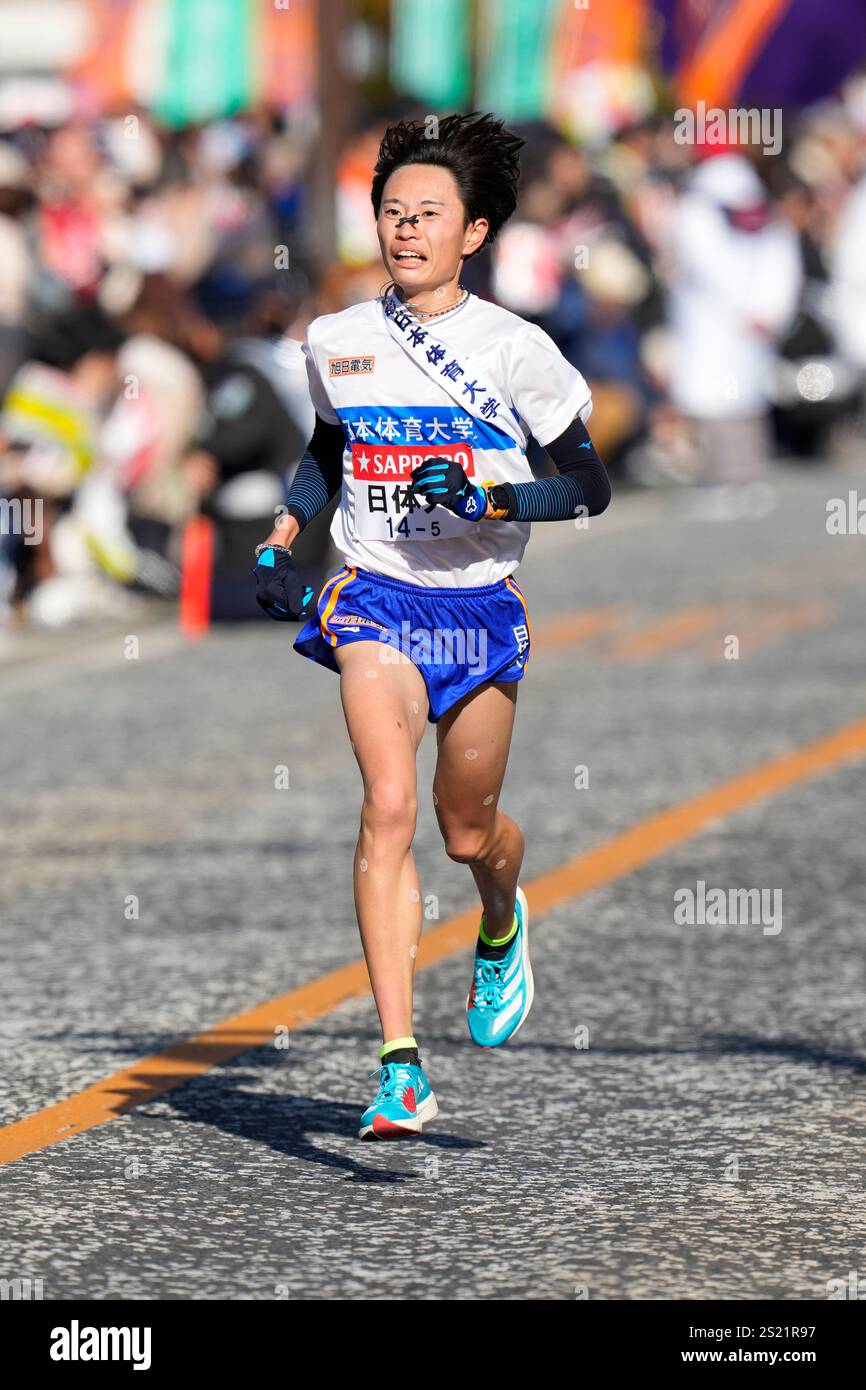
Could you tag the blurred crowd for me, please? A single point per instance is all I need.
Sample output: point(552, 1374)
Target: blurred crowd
point(155, 288)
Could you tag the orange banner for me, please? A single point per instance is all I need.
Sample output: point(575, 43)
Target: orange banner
point(288, 53)
point(612, 32)
point(727, 51)
point(104, 71)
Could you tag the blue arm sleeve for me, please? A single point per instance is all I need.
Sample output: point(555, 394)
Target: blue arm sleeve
point(319, 474)
point(581, 481)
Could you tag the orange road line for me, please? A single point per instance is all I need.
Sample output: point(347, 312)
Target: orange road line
point(775, 623)
point(666, 633)
point(575, 628)
point(164, 1071)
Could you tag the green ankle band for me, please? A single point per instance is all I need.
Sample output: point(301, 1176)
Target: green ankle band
point(500, 941)
point(396, 1042)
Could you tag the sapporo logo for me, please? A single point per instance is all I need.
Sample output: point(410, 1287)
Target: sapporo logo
point(398, 460)
point(350, 366)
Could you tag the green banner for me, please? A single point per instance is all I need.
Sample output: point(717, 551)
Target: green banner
point(430, 51)
point(209, 60)
point(514, 59)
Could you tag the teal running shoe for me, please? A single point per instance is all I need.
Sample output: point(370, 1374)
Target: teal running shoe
point(502, 991)
point(403, 1105)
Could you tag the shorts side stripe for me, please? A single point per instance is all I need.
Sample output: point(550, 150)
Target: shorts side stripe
point(333, 599)
point(328, 582)
point(510, 584)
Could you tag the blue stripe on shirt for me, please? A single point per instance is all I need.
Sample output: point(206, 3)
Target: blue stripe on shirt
point(423, 424)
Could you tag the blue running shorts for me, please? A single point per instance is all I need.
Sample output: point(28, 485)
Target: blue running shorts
point(458, 638)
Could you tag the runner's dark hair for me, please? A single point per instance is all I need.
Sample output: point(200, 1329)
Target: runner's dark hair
point(481, 154)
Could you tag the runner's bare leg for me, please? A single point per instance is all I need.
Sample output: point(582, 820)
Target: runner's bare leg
point(474, 739)
point(385, 704)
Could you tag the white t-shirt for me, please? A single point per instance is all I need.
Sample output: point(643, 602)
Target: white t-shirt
point(395, 413)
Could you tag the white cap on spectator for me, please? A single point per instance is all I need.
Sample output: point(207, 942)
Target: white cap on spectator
point(729, 179)
point(614, 274)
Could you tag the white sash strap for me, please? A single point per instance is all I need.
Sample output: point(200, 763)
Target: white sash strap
point(452, 371)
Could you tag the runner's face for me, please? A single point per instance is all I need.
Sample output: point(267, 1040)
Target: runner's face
point(439, 238)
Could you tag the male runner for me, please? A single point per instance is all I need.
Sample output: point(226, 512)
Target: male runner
point(425, 398)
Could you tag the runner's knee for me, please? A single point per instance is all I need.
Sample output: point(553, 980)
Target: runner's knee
point(390, 809)
point(466, 844)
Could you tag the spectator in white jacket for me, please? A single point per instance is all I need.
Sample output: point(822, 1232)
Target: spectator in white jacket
point(848, 275)
point(735, 282)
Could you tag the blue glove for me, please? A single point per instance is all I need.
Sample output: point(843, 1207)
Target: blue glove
point(444, 481)
point(280, 591)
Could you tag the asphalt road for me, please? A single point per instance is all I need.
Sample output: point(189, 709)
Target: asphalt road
point(681, 1117)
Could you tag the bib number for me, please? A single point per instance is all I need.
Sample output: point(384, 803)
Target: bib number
point(386, 508)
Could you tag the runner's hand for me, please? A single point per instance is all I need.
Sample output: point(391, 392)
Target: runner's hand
point(280, 591)
point(443, 481)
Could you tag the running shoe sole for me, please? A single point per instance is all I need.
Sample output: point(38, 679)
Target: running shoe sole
point(382, 1128)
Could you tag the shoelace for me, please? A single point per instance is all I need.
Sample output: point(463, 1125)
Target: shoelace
point(488, 981)
point(396, 1079)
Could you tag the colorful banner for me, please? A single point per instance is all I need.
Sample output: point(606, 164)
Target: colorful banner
point(430, 51)
point(195, 60)
point(209, 66)
point(515, 56)
point(103, 72)
point(288, 53)
point(615, 32)
point(585, 64)
point(784, 53)
point(599, 80)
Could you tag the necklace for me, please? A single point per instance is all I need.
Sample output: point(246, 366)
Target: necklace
point(436, 313)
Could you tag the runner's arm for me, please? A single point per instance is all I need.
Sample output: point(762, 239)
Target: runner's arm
point(318, 478)
point(581, 481)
